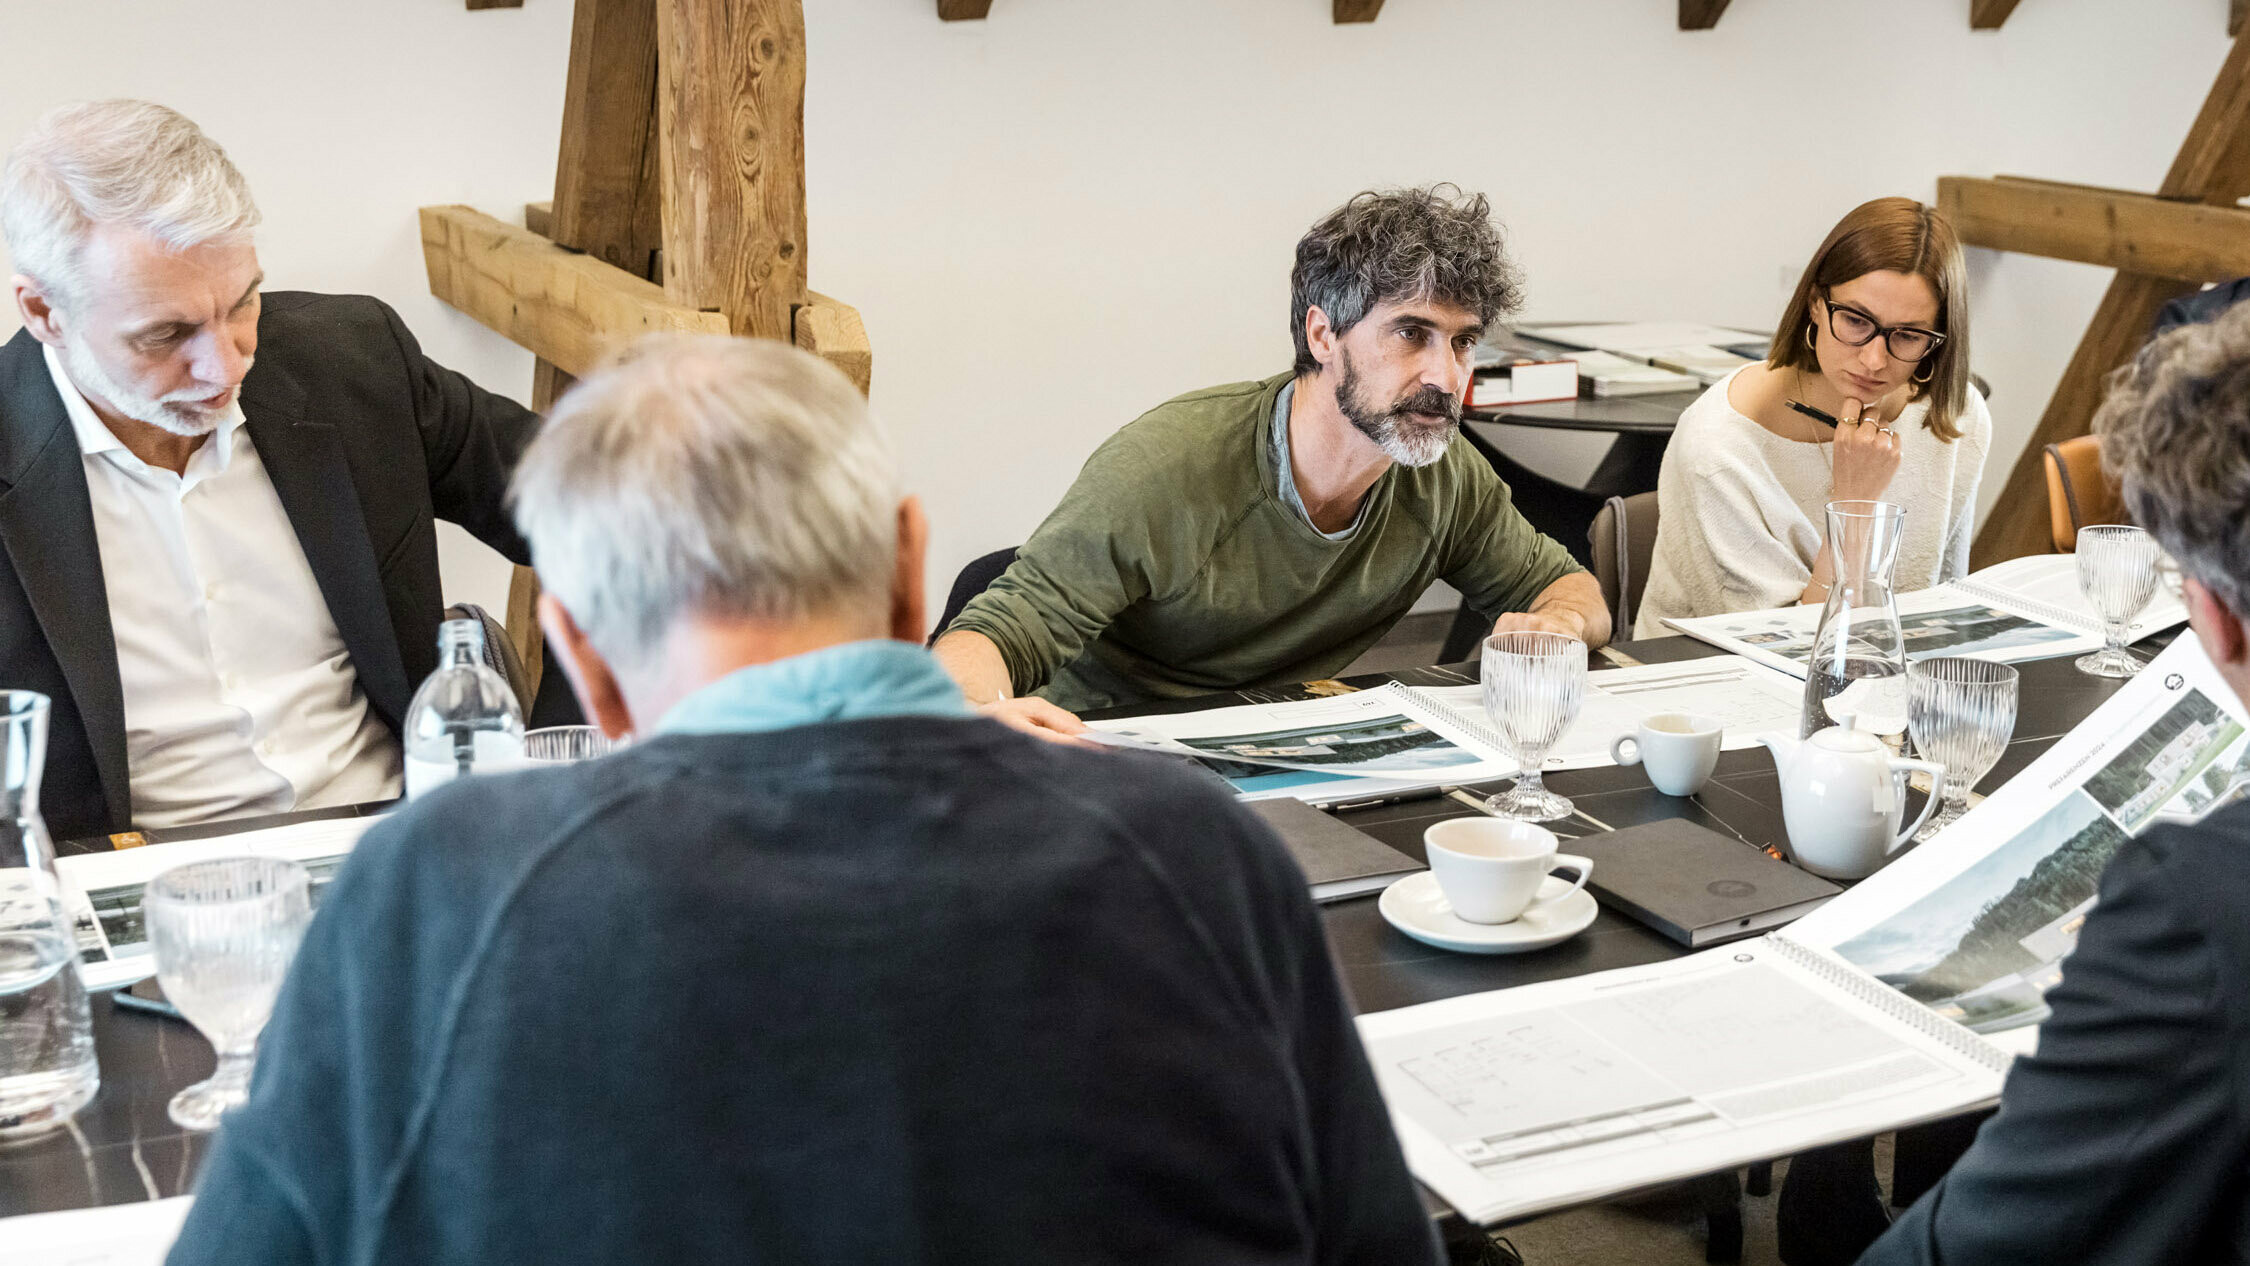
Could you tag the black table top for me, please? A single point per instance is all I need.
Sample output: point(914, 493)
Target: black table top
point(1651, 415)
point(124, 1148)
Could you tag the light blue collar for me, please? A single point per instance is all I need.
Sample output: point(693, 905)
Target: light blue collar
point(836, 683)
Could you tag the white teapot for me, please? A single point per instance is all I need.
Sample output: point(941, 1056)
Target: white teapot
point(1842, 793)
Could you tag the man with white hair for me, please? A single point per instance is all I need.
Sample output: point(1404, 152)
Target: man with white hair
point(217, 551)
point(823, 968)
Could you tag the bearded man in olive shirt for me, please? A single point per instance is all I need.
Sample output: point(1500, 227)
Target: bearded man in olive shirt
point(1272, 531)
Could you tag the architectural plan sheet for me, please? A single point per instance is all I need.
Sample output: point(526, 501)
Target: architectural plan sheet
point(2026, 608)
point(1519, 1101)
point(1745, 697)
point(102, 891)
point(1343, 747)
point(1900, 1001)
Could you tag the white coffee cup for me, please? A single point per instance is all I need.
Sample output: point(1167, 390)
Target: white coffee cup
point(1490, 869)
point(1678, 749)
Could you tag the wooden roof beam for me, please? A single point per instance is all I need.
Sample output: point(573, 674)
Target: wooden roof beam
point(731, 136)
point(569, 309)
point(2213, 166)
point(963, 10)
point(1700, 15)
point(1355, 10)
point(2132, 232)
point(1988, 15)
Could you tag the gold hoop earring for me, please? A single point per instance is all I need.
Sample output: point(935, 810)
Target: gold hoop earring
point(1926, 377)
point(1809, 337)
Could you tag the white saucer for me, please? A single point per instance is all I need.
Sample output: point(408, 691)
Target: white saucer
point(1416, 906)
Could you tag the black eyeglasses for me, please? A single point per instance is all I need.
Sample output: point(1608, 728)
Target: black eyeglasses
point(1854, 328)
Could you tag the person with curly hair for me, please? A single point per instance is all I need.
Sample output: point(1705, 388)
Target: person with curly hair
point(1271, 531)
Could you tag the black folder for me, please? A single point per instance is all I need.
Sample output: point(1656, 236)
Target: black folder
point(1695, 885)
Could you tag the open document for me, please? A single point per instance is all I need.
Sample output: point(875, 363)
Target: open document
point(2025, 608)
point(1399, 737)
point(1745, 697)
point(102, 891)
point(1900, 1001)
point(1369, 743)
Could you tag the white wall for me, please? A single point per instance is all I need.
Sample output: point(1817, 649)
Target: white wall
point(1059, 217)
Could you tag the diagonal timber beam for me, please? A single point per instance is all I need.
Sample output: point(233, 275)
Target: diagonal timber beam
point(1701, 15)
point(1355, 10)
point(569, 309)
point(2213, 166)
point(962, 10)
point(1989, 15)
point(2134, 232)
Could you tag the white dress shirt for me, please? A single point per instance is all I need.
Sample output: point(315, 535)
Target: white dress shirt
point(239, 695)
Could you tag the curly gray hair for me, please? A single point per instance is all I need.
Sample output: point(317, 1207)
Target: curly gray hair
point(1386, 246)
point(2176, 434)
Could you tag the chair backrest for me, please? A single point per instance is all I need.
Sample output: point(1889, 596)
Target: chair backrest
point(2078, 493)
point(973, 580)
point(499, 652)
point(1624, 539)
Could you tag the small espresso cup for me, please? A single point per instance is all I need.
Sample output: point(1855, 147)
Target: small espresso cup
point(1678, 749)
point(1490, 869)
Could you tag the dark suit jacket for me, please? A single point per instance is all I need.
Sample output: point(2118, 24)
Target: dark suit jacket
point(2126, 1139)
point(367, 442)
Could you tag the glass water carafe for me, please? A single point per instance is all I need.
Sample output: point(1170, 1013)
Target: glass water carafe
point(47, 1068)
point(1857, 675)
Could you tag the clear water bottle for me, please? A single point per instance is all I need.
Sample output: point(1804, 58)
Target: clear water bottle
point(47, 1068)
point(464, 719)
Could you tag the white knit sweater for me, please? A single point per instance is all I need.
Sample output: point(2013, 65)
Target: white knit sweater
point(1742, 510)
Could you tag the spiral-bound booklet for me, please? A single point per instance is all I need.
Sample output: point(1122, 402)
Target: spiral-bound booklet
point(2025, 608)
point(1901, 1001)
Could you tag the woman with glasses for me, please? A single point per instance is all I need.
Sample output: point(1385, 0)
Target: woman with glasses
point(1876, 336)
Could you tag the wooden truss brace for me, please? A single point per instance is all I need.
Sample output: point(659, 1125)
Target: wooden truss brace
point(2162, 246)
point(679, 205)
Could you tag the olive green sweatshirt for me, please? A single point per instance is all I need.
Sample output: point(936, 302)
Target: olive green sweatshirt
point(1177, 566)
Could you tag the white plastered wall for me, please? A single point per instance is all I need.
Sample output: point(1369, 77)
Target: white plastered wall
point(1058, 217)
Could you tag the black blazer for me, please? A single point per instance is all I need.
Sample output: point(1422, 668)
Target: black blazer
point(367, 441)
point(2126, 1139)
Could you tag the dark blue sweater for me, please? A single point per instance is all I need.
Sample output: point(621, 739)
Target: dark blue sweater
point(903, 990)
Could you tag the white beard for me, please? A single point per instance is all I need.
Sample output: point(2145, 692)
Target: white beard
point(170, 413)
point(1416, 446)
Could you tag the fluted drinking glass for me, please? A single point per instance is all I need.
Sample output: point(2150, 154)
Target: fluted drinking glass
point(224, 932)
point(1961, 712)
point(2117, 572)
point(1534, 684)
point(565, 744)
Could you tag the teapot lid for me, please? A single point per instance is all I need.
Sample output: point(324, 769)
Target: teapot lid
point(1838, 739)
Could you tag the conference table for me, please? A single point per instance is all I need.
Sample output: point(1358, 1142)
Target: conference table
point(123, 1148)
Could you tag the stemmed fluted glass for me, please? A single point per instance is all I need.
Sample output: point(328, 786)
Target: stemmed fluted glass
point(1961, 712)
point(1534, 684)
point(224, 932)
point(2117, 571)
point(567, 744)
